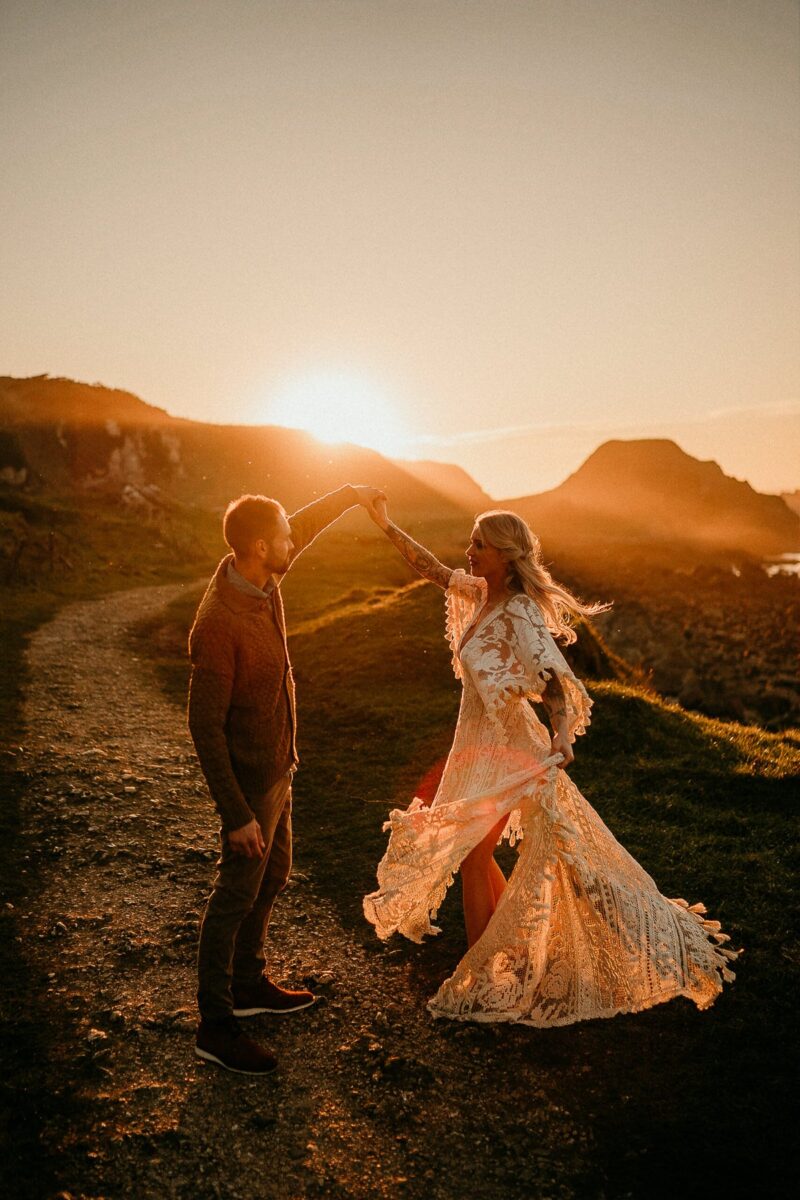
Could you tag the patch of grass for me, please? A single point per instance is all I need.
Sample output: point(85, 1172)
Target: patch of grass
point(670, 1099)
point(694, 798)
point(107, 549)
point(708, 808)
point(317, 590)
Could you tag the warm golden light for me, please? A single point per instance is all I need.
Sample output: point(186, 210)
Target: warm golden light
point(338, 407)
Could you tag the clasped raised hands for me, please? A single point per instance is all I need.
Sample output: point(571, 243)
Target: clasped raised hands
point(367, 495)
point(374, 501)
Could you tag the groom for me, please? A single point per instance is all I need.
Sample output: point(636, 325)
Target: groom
point(242, 721)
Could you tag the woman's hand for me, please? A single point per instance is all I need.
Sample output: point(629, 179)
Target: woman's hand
point(379, 512)
point(560, 744)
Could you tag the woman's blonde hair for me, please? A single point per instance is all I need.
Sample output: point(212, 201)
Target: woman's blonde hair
point(522, 551)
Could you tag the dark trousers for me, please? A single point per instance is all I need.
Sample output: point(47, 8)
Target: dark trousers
point(235, 923)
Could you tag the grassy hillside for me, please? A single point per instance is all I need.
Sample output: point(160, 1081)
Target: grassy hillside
point(707, 807)
point(640, 522)
point(53, 550)
point(666, 1099)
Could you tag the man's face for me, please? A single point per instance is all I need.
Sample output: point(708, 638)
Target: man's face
point(275, 549)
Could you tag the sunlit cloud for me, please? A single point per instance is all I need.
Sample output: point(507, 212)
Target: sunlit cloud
point(501, 433)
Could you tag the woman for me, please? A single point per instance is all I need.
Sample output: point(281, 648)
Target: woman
point(579, 930)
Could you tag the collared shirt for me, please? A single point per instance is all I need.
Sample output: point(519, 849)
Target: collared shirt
point(244, 585)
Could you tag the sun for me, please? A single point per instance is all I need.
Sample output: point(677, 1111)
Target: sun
point(336, 406)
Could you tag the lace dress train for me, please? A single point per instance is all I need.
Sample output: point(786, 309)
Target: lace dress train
point(581, 930)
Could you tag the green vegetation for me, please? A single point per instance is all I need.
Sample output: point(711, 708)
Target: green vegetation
point(708, 807)
point(53, 552)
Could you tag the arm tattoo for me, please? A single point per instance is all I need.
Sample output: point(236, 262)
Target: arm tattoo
point(555, 701)
point(420, 559)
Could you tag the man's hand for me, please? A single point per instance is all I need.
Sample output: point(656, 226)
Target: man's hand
point(247, 840)
point(366, 495)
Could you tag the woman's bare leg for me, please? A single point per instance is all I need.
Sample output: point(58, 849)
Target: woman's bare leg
point(478, 883)
point(498, 880)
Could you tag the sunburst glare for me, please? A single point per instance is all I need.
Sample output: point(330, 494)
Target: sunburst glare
point(337, 406)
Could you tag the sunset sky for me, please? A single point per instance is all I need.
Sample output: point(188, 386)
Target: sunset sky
point(489, 232)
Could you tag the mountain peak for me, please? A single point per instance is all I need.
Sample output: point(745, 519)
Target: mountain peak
point(643, 455)
point(650, 489)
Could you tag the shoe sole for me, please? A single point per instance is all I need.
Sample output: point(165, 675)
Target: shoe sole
point(208, 1057)
point(281, 1012)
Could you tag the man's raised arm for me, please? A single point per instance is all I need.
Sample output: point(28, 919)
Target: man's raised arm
point(308, 522)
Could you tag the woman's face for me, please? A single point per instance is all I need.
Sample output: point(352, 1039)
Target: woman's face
point(484, 559)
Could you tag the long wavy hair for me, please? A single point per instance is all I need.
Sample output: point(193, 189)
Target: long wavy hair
point(522, 551)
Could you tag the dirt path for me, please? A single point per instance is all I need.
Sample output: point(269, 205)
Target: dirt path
point(117, 853)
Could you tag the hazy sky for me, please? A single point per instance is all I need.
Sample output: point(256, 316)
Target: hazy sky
point(560, 219)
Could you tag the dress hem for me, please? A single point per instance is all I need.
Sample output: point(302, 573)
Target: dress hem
point(512, 1019)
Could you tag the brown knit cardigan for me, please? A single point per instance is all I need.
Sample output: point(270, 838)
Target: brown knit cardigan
point(241, 693)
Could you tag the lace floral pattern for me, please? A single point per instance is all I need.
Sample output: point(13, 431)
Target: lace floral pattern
point(511, 654)
point(581, 930)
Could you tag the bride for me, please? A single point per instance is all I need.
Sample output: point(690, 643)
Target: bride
point(579, 930)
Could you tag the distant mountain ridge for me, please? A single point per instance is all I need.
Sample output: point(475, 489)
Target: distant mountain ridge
point(452, 481)
point(47, 398)
point(650, 490)
point(68, 435)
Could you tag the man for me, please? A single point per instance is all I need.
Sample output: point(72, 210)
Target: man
point(242, 721)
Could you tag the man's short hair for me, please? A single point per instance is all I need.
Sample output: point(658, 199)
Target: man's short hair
point(248, 519)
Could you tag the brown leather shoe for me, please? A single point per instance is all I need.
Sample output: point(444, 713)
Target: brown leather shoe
point(224, 1043)
point(266, 997)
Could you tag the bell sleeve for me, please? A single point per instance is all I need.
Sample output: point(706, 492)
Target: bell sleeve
point(538, 658)
point(463, 597)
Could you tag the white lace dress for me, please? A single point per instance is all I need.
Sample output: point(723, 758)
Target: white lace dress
point(581, 930)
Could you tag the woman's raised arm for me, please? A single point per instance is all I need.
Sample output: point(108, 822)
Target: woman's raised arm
point(417, 556)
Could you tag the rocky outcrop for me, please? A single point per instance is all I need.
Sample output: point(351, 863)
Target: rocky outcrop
point(792, 499)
